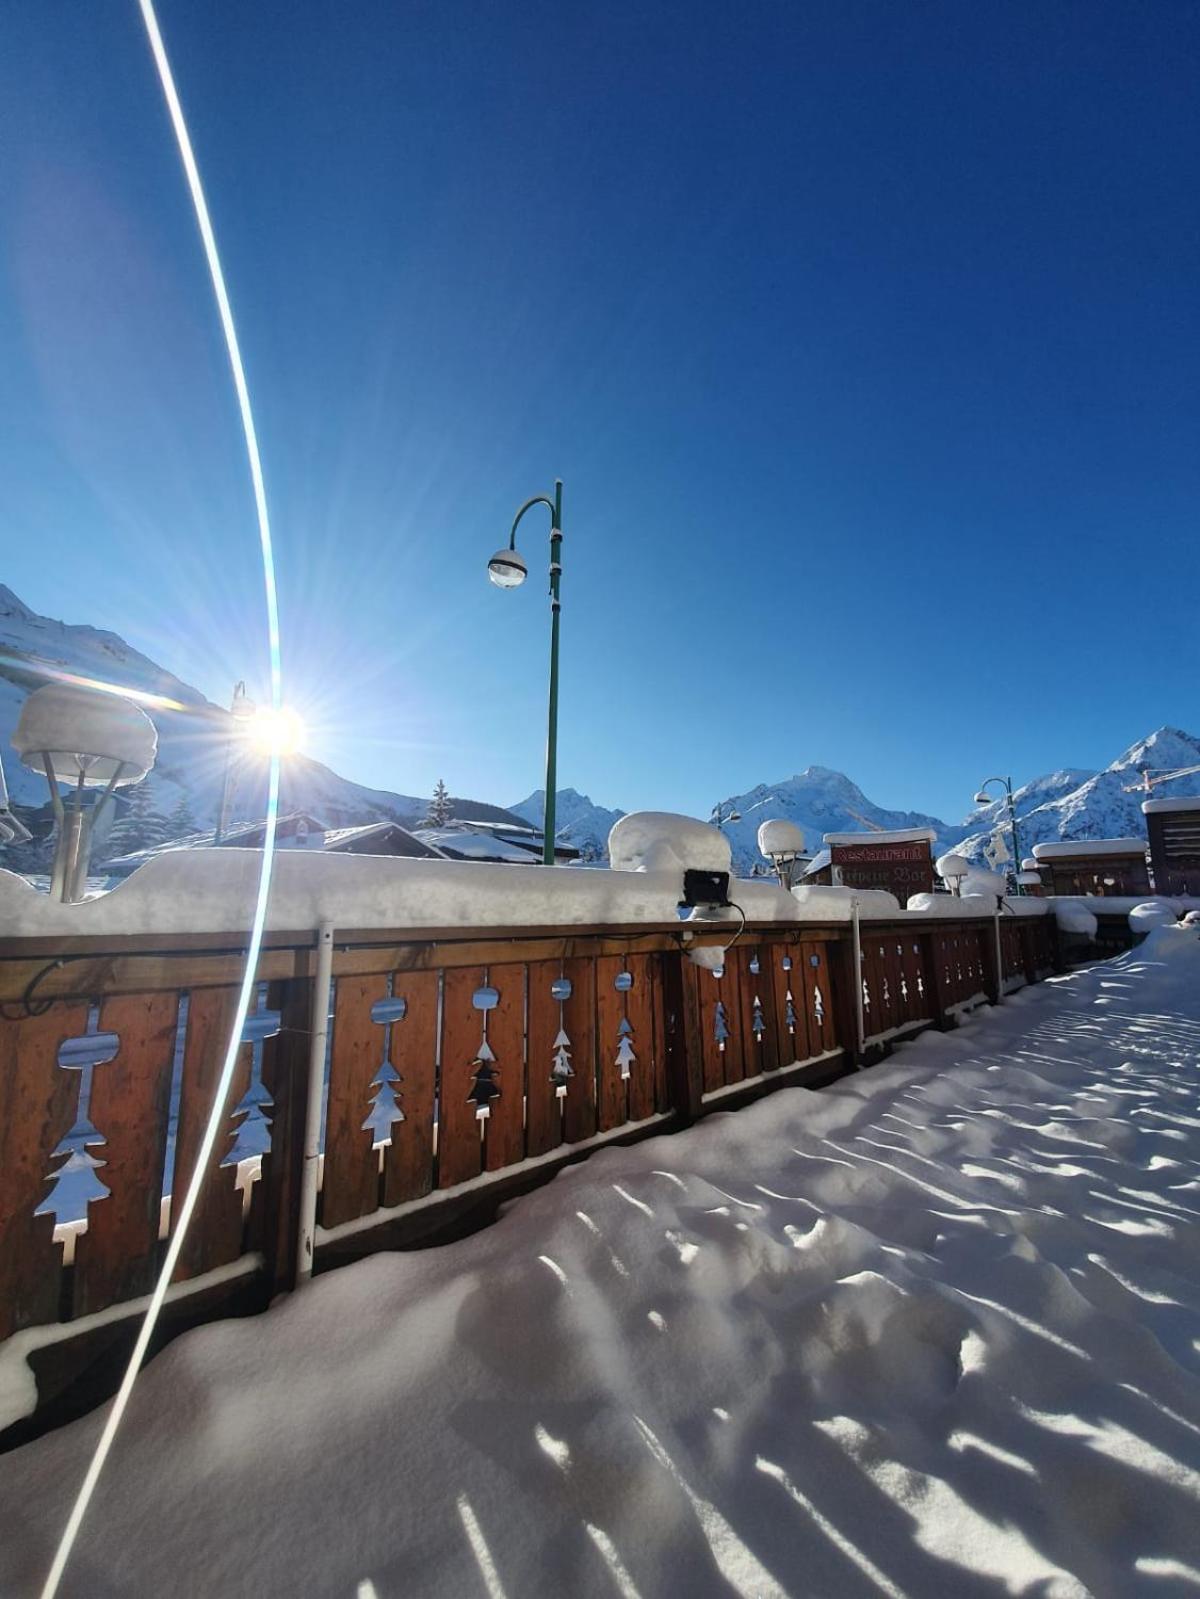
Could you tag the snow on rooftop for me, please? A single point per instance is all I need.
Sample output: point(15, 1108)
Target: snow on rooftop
point(1068, 849)
point(1181, 802)
point(899, 835)
point(926, 1332)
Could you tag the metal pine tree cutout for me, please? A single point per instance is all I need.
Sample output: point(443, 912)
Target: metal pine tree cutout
point(625, 1057)
point(74, 1185)
point(252, 1126)
point(485, 1085)
point(789, 1003)
point(561, 1071)
point(386, 1109)
point(721, 1026)
point(758, 1024)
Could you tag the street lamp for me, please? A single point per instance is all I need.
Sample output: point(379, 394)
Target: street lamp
point(984, 798)
point(720, 816)
point(88, 740)
point(507, 570)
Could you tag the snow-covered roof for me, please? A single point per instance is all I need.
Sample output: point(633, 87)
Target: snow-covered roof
point(901, 835)
point(466, 844)
point(1180, 802)
point(343, 838)
point(818, 863)
point(1069, 848)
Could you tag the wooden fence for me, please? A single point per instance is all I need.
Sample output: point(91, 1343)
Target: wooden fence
point(461, 1068)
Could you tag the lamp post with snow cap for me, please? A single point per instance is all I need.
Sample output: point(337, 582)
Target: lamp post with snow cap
point(720, 815)
point(89, 739)
point(984, 798)
point(507, 570)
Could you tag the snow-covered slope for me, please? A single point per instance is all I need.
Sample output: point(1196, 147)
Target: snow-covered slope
point(576, 820)
point(1071, 805)
point(819, 801)
point(191, 739)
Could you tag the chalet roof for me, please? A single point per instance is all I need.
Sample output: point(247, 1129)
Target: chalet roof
point(900, 835)
point(344, 838)
point(1071, 848)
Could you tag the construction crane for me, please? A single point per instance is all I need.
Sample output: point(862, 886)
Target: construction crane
point(1165, 774)
point(873, 827)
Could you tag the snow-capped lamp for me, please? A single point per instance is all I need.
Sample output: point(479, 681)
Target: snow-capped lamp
point(782, 843)
point(952, 869)
point(88, 739)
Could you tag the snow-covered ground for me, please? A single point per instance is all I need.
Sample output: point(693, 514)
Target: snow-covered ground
point(934, 1331)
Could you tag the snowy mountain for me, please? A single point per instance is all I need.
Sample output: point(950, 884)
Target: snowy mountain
point(1081, 805)
point(192, 737)
point(576, 820)
point(819, 801)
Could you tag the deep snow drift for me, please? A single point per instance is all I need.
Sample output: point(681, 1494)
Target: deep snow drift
point(934, 1331)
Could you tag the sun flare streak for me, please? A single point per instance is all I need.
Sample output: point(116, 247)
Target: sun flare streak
point(221, 1094)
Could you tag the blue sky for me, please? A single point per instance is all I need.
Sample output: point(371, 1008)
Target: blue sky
point(864, 336)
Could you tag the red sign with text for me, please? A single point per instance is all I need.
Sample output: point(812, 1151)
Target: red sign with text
point(901, 869)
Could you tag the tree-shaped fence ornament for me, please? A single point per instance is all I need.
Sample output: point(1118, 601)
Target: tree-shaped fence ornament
point(721, 1026)
point(561, 1071)
point(485, 1085)
point(818, 1001)
point(251, 1134)
point(789, 1003)
point(626, 1059)
point(386, 1109)
point(74, 1184)
point(758, 1022)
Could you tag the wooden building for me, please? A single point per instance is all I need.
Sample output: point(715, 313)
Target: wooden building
point(900, 862)
point(1100, 866)
point(380, 838)
point(1173, 826)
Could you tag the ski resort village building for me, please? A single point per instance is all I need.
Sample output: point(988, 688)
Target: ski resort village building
point(1099, 866)
point(1173, 826)
point(901, 861)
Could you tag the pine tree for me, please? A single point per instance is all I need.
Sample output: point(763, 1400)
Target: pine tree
point(141, 827)
point(181, 823)
point(439, 806)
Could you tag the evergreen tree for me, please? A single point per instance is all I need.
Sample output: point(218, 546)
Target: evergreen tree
point(181, 822)
point(141, 826)
point(439, 806)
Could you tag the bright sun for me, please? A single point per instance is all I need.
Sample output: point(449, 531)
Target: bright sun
point(275, 732)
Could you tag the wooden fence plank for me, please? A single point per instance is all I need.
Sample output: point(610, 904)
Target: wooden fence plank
point(640, 1010)
point(757, 996)
point(791, 1014)
point(580, 1105)
point(459, 1147)
point(408, 1159)
point(819, 998)
point(37, 1106)
point(215, 1235)
point(275, 1203)
point(613, 1100)
point(662, 1091)
point(504, 1130)
point(350, 1185)
point(117, 1257)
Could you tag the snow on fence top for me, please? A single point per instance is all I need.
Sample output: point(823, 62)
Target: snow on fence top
point(900, 835)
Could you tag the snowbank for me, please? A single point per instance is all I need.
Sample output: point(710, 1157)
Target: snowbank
point(821, 903)
point(930, 1332)
point(660, 840)
point(1076, 919)
point(1151, 914)
point(214, 890)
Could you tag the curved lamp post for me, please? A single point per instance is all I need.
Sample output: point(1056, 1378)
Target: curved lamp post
point(507, 570)
point(720, 817)
point(984, 798)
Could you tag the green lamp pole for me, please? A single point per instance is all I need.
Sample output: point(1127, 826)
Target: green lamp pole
point(507, 570)
point(984, 798)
